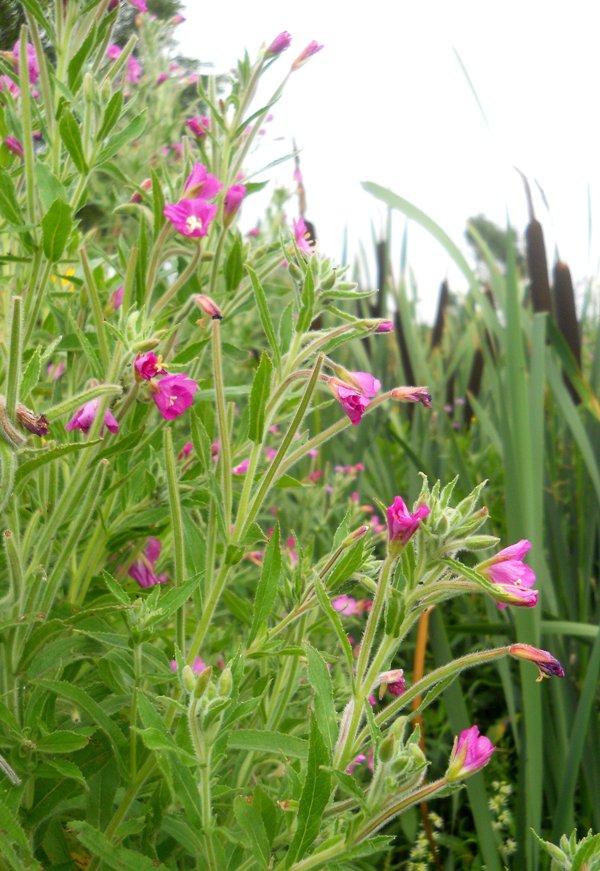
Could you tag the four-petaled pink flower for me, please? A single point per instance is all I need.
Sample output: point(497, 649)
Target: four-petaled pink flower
point(14, 145)
point(470, 753)
point(200, 183)
point(199, 125)
point(354, 398)
point(312, 48)
point(233, 199)
point(142, 570)
point(402, 525)
point(507, 570)
point(85, 416)
point(548, 665)
point(173, 394)
point(279, 44)
point(191, 217)
point(302, 235)
point(148, 366)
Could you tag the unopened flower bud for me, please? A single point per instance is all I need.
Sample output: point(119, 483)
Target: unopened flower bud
point(386, 749)
point(208, 306)
point(202, 682)
point(35, 423)
point(413, 394)
point(328, 280)
point(88, 87)
point(225, 683)
point(188, 678)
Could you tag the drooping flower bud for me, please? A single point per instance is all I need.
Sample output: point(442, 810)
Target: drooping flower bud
point(548, 665)
point(208, 306)
point(279, 44)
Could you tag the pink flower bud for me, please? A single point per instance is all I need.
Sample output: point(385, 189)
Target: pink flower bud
point(384, 327)
point(470, 753)
point(548, 665)
point(402, 525)
point(142, 570)
point(208, 306)
point(279, 44)
point(413, 394)
point(312, 48)
point(116, 298)
point(508, 571)
point(185, 451)
point(14, 145)
point(233, 200)
point(198, 125)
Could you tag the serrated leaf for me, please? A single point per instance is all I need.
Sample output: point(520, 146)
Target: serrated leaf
point(265, 315)
point(61, 742)
point(56, 229)
point(253, 830)
point(31, 375)
point(64, 768)
point(132, 131)
point(71, 137)
point(112, 113)
point(268, 584)
point(234, 267)
point(263, 741)
point(320, 682)
point(314, 797)
point(9, 206)
point(259, 396)
point(117, 858)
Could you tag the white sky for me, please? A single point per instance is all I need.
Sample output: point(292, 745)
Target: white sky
point(387, 101)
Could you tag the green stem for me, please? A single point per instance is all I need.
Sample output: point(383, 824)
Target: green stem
point(203, 750)
point(381, 593)
point(26, 126)
point(392, 810)
point(137, 671)
point(13, 380)
point(271, 472)
point(210, 606)
point(177, 531)
point(96, 308)
point(224, 442)
point(183, 278)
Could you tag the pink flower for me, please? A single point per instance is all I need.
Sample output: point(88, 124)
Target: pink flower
point(200, 183)
point(134, 70)
point(279, 44)
point(113, 51)
point(139, 4)
point(402, 525)
point(142, 570)
point(346, 605)
point(548, 665)
point(198, 665)
point(470, 753)
point(290, 546)
point(355, 399)
point(199, 125)
point(233, 199)
point(241, 468)
point(148, 366)
point(394, 681)
point(55, 370)
point(254, 232)
point(302, 236)
point(32, 64)
point(384, 327)
point(312, 48)
point(191, 217)
point(116, 297)
point(358, 760)
point(185, 451)
point(85, 416)
point(173, 394)
point(270, 453)
point(14, 145)
point(161, 78)
point(507, 570)
point(7, 84)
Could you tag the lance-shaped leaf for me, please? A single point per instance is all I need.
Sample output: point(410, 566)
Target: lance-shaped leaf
point(259, 395)
point(56, 228)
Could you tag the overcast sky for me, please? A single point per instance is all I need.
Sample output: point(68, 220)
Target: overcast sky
point(386, 101)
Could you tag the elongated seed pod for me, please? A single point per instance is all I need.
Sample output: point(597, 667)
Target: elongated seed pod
point(8, 467)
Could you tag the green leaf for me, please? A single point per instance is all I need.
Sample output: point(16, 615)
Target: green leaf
point(132, 131)
point(334, 619)
point(259, 395)
point(265, 315)
point(234, 267)
point(47, 456)
point(76, 63)
point(14, 843)
point(589, 849)
point(64, 768)
point(268, 742)
point(253, 830)
point(172, 600)
point(117, 858)
point(116, 589)
point(56, 229)
point(48, 186)
point(314, 797)
point(94, 711)
point(112, 113)
point(9, 206)
point(61, 742)
point(320, 682)
point(71, 137)
point(306, 313)
point(268, 584)
point(31, 375)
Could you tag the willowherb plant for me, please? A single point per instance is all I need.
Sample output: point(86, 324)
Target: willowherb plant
point(178, 686)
